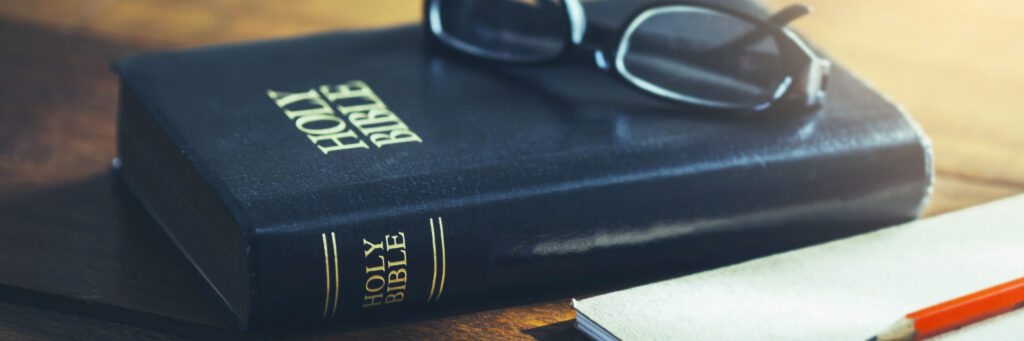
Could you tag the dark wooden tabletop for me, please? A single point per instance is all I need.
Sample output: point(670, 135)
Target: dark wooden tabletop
point(955, 66)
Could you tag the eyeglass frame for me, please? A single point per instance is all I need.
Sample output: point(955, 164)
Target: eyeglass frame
point(805, 81)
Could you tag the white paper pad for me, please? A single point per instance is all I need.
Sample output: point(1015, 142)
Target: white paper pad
point(847, 289)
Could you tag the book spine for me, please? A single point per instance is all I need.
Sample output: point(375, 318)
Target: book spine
point(593, 234)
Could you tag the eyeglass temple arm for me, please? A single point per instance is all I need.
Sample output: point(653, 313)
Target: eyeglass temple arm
point(786, 15)
point(781, 18)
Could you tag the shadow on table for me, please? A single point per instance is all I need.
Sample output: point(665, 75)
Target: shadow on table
point(565, 330)
point(88, 247)
point(84, 247)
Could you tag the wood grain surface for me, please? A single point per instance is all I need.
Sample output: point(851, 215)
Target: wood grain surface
point(956, 66)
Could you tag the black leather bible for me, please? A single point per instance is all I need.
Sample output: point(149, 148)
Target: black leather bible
point(324, 178)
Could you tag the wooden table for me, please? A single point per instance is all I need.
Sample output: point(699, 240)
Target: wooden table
point(958, 67)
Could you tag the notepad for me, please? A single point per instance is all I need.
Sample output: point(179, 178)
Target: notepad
point(847, 289)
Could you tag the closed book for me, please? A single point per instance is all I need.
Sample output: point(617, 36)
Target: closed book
point(345, 175)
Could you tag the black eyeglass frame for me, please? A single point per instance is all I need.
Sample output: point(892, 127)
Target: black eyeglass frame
point(806, 74)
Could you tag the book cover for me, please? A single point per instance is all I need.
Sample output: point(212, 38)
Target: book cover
point(346, 175)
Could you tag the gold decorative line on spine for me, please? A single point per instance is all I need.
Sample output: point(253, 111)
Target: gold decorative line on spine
point(433, 246)
point(444, 260)
point(327, 276)
point(335, 243)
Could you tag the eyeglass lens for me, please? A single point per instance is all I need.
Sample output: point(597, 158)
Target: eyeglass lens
point(701, 54)
point(509, 30)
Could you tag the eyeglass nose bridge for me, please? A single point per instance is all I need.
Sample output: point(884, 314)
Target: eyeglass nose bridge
point(821, 74)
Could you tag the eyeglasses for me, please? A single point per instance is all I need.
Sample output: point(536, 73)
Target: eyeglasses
point(698, 54)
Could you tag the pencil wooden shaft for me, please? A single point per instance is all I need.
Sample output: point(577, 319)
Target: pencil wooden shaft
point(968, 309)
point(956, 313)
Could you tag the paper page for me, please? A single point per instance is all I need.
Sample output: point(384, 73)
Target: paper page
point(847, 289)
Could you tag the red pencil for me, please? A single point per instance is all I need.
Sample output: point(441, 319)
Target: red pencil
point(956, 313)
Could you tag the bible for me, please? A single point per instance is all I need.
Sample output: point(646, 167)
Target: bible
point(343, 175)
